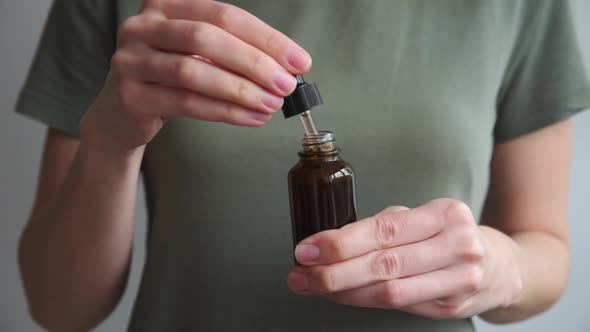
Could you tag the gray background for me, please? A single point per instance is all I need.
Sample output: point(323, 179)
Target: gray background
point(20, 150)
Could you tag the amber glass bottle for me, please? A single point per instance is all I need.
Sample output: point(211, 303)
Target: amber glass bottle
point(321, 188)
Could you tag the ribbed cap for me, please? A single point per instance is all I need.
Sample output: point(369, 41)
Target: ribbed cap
point(305, 97)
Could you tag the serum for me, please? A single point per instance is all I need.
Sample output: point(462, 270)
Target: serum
point(321, 185)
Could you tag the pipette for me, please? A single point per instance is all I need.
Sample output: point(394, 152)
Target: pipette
point(305, 97)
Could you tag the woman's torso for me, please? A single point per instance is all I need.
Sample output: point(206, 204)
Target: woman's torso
point(410, 89)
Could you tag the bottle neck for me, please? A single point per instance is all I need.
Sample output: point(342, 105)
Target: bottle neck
point(319, 146)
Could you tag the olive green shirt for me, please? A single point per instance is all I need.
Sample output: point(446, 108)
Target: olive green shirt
point(417, 94)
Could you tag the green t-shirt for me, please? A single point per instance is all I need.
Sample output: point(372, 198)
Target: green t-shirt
point(417, 94)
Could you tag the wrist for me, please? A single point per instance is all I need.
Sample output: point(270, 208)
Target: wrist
point(508, 275)
point(118, 158)
point(104, 134)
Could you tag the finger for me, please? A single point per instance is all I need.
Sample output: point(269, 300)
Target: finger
point(170, 102)
point(193, 74)
point(452, 308)
point(244, 26)
point(399, 293)
point(391, 228)
point(394, 263)
point(226, 50)
point(392, 209)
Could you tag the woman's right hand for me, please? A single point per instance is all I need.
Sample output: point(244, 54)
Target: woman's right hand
point(191, 58)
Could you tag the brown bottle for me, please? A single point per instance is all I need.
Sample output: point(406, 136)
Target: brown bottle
point(321, 188)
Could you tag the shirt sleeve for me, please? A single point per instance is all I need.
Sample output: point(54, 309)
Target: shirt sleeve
point(70, 64)
point(546, 80)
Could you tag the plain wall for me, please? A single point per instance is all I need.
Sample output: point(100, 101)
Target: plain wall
point(21, 139)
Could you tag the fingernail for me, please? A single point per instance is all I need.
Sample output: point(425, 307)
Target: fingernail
point(299, 59)
point(298, 281)
point(271, 101)
point(284, 81)
point(306, 252)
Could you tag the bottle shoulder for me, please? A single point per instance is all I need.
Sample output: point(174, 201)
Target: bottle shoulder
point(320, 169)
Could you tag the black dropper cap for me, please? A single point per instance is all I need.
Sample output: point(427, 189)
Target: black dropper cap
point(305, 97)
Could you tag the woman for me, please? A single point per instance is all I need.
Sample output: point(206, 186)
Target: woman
point(453, 114)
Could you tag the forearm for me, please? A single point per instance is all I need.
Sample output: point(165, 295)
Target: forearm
point(543, 260)
point(75, 252)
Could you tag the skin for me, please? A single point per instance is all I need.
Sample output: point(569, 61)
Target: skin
point(435, 261)
point(75, 250)
point(431, 260)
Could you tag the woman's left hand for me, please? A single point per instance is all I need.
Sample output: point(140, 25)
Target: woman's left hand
point(433, 260)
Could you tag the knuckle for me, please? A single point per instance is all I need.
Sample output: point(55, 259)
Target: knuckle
point(335, 246)
point(224, 15)
point(457, 212)
point(129, 28)
point(386, 265)
point(450, 309)
point(230, 113)
point(385, 230)
point(392, 295)
point(473, 279)
point(127, 93)
point(197, 33)
point(183, 70)
point(470, 248)
point(257, 63)
point(119, 62)
point(272, 40)
point(242, 91)
point(184, 103)
point(326, 281)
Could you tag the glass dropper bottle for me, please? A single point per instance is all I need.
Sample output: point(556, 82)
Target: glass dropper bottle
point(321, 185)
